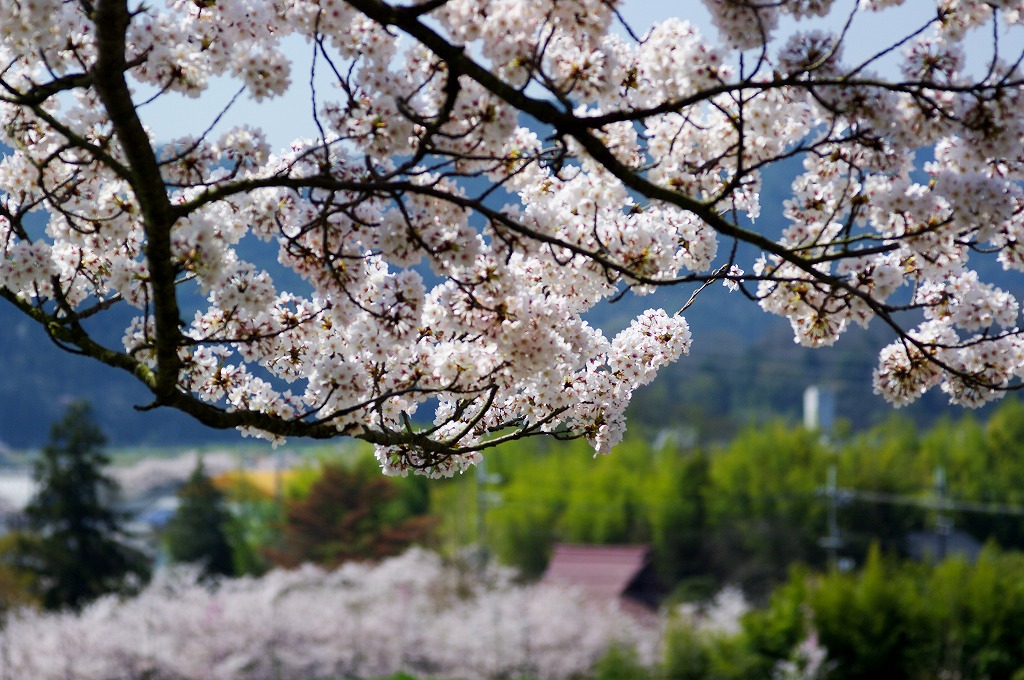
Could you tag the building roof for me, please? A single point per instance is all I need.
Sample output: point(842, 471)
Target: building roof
point(603, 571)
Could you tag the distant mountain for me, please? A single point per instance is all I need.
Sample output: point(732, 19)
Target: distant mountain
point(744, 366)
point(37, 381)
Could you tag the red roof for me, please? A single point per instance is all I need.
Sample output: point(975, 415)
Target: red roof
point(603, 571)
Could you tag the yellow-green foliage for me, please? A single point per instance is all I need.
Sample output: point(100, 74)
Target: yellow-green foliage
point(903, 620)
point(745, 511)
point(19, 586)
point(558, 491)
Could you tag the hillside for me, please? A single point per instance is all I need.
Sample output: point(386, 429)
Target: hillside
point(743, 366)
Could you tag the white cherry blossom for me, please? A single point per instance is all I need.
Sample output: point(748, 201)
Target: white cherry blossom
point(484, 173)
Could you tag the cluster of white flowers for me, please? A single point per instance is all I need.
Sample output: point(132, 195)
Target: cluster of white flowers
point(809, 661)
point(151, 473)
point(410, 613)
point(722, 615)
point(343, 283)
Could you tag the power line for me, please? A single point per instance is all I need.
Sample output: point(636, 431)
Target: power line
point(931, 502)
point(938, 501)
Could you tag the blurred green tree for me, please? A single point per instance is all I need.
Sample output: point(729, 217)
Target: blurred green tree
point(198, 530)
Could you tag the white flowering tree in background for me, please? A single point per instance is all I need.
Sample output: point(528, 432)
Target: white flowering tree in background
point(484, 173)
point(408, 613)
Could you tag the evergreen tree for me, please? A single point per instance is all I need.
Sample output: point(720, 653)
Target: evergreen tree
point(75, 532)
point(198, 530)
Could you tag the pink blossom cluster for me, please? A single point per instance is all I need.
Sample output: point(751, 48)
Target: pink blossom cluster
point(430, 248)
point(410, 613)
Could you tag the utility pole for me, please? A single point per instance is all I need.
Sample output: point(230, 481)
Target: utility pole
point(481, 509)
point(484, 499)
point(819, 413)
point(943, 522)
point(833, 541)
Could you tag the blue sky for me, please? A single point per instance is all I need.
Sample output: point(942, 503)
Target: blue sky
point(287, 117)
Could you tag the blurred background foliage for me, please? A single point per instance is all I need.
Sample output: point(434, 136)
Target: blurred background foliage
point(750, 511)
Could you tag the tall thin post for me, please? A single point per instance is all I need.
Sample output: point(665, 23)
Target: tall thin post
point(484, 499)
point(481, 505)
point(833, 541)
point(943, 522)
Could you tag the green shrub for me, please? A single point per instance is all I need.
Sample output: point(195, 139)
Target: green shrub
point(694, 654)
point(620, 662)
point(902, 620)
